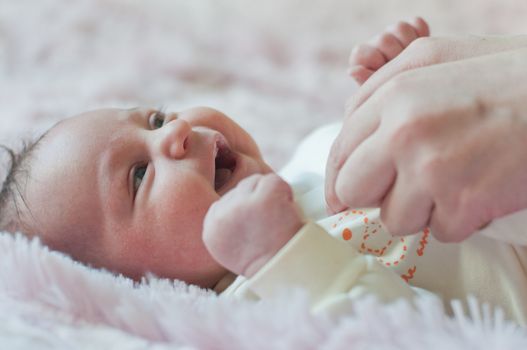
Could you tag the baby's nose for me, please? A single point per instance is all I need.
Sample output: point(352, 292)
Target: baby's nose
point(175, 138)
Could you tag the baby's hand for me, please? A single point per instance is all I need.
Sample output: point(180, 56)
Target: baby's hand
point(249, 224)
point(366, 59)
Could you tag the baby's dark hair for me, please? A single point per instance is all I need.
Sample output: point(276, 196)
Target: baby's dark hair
point(12, 190)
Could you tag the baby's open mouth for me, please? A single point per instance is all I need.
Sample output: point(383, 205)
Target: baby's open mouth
point(225, 163)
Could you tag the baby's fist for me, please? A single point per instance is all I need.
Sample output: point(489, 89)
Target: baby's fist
point(250, 223)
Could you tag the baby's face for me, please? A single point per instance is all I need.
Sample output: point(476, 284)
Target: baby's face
point(128, 189)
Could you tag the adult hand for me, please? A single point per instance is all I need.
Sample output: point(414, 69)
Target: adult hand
point(440, 146)
point(427, 51)
point(422, 52)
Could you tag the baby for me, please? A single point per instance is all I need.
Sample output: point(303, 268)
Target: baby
point(187, 196)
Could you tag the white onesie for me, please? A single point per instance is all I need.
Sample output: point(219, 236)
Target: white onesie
point(360, 257)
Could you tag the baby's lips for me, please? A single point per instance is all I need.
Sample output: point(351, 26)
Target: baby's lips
point(225, 162)
point(219, 141)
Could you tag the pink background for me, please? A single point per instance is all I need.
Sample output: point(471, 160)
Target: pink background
point(276, 66)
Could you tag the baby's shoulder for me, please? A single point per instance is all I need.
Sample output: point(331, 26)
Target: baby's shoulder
point(312, 152)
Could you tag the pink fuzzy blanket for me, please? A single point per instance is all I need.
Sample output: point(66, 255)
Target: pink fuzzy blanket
point(48, 301)
point(278, 68)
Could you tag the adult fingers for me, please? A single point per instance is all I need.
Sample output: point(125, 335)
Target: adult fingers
point(407, 208)
point(404, 32)
point(360, 74)
point(443, 229)
point(355, 130)
point(388, 45)
point(418, 53)
point(377, 80)
point(367, 174)
point(367, 56)
point(421, 26)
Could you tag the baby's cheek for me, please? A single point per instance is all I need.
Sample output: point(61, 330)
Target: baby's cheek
point(187, 208)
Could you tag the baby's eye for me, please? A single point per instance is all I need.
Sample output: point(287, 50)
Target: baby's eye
point(138, 174)
point(156, 120)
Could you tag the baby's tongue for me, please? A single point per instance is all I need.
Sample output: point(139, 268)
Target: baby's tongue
point(222, 175)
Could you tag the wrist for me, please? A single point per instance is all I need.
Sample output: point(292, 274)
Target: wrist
point(260, 260)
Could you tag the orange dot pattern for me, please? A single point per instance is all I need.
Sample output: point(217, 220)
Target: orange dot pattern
point(410, 274)
point(423, 242)
point(347, 234)
point(370, 229)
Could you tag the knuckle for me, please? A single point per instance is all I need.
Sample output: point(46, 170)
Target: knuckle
point(426, 49)
point(403, 27)
point(432, 164)
point(430, 173)
point(422, 44)
point(387, 39)
point(272, 180)
point(270, 185)
point(355, 51)
point(412, 131)
point(245, 185)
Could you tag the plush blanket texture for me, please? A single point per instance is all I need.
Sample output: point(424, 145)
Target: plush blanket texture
point(278, 68)
point(47, 301)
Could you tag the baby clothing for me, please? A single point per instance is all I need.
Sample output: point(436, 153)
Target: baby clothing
point(340, 258)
